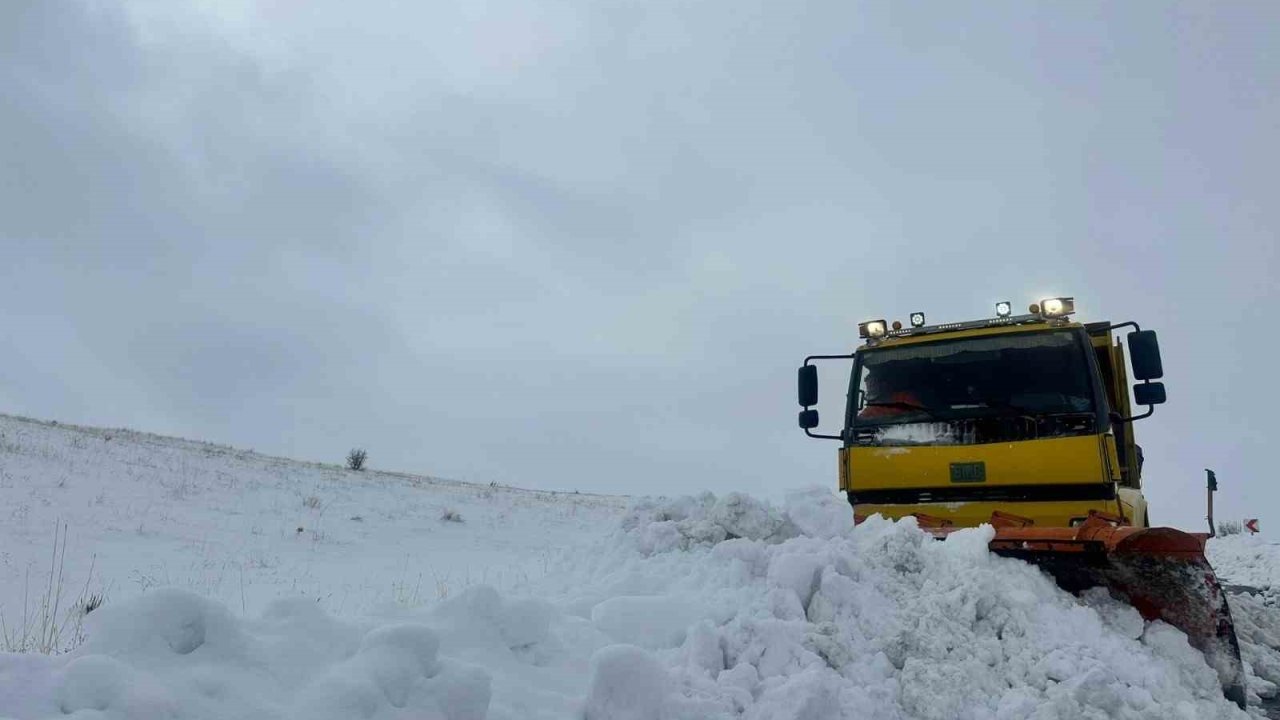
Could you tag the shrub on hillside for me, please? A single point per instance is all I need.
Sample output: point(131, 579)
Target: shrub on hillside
point(356, 458)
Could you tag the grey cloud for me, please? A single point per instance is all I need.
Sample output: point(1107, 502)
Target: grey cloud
point(584, 244)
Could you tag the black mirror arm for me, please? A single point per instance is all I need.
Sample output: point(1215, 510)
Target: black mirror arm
point(820, 436)
point(1115, 416)
point(829, 357)
point(1131, 324)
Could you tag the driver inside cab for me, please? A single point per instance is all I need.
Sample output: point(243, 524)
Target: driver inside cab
point(887, 398)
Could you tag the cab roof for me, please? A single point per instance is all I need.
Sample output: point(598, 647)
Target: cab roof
point(972, 328)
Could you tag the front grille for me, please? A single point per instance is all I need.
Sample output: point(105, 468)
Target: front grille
point(986, 493)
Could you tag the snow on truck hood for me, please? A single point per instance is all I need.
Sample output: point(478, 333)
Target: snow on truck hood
point(700, 608)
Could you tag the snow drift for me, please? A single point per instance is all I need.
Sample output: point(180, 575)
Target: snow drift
point(703, 607)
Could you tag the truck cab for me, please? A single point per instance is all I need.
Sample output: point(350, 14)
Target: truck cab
point(1023, 416)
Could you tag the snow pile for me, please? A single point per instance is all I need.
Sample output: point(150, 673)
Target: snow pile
point(1258, 631)
point(1250, 566)
point(699, 608)
point(663, 525)
point(877, 621)
point(1246, 560)
point(173, 654)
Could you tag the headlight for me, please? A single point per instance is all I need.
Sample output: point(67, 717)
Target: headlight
point(1004, 309)
point(1057, 307)
point(917, 319)
point(872, 329)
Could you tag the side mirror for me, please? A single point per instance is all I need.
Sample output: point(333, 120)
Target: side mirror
point(807, 393)
point(807, 383)
point(1149, 393)
point(1144, 353)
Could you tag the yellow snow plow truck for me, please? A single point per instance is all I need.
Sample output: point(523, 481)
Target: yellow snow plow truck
point(1025, 422)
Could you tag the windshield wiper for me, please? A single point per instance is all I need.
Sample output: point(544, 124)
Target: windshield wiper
point(1030, 412)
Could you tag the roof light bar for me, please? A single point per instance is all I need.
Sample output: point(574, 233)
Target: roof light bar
point(1048, 309)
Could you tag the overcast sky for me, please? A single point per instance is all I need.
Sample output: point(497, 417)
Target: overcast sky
point(583, 244)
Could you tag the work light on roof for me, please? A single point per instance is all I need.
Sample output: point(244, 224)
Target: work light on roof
point(917, 319)
point(1057, 307)
point(872, 329)
point(1004, 308)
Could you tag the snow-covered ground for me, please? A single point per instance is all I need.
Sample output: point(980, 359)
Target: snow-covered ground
point(1247, 560)
point(243, 586)
point(245, 529)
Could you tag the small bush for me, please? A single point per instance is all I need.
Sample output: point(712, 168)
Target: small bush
point(450, 515)
point(312, 502)
point(1230, 527)
point(356, 458)
point(54, 623)
point(93, 602)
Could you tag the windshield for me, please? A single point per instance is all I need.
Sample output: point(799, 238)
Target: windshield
point(1007, 387)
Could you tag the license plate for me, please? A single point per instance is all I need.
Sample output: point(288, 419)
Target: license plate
point(968, 472)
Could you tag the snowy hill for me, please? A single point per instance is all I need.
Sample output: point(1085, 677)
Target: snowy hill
point(245, 586)
point(245, 529)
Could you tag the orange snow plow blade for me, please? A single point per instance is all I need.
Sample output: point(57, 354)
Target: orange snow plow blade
point(1162, 572)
